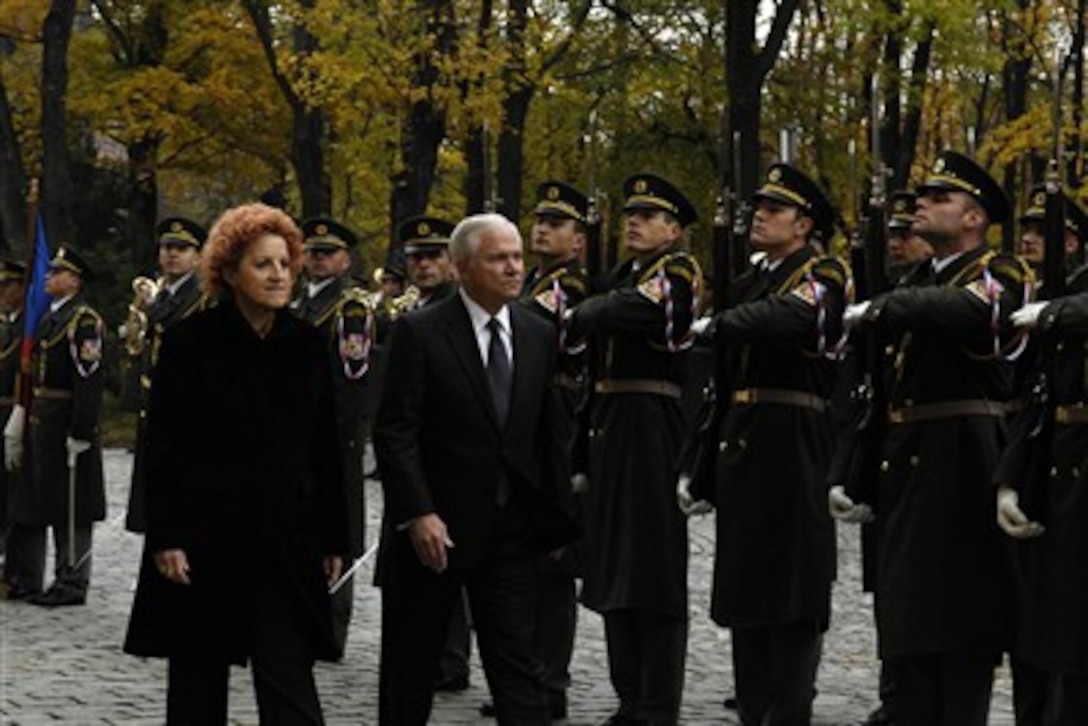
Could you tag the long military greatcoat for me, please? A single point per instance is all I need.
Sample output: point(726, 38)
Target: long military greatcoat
point(775, 549)
point(243, 473)
point(636, 544)
point(944, 571)
point(66, 376)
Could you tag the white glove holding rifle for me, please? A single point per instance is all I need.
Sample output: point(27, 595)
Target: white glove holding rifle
point(844, 509)
point(688, 504)
point(75, 447)
point(13, 438)
point(1011, 518)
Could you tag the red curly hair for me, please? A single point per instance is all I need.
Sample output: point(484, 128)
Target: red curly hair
point(234, 232)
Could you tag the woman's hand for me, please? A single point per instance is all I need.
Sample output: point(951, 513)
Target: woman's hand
point(173, 565)
point(334, 565)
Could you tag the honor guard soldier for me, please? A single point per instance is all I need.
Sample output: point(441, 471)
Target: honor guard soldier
point(906, 250)
point(426, 242)
point(944, 589)
point(636, 544)
point(776, 351)
point(64, 488)
point(343, 314)
point(1042, 500)
point(12, 292)
point(176, 296)
point(557, 284)
point(1033, 240)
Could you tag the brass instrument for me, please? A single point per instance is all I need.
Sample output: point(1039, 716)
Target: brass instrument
point(397, 306)
point(144, 290)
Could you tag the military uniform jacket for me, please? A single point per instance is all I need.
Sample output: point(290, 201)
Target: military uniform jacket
point(1048, 465)
point(550, 294)
point(166, 309)
point(636, 546)
point(775, 557)
point(243, 473)
point(345, 320)
point(66, 376)
point(943, 565)
point(11, 338)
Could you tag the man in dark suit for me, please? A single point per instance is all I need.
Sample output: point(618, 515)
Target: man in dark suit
point(178, 297)
point(473, 472)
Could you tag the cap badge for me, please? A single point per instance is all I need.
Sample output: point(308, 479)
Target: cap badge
point(424, 229)
point(1040, 198)
point(938, 166)
point(321, 229)
point(900, 205)
point(641, 186)
point(175, 227)
point(553, 193)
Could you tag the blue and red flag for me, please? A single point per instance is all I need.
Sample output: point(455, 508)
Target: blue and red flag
point(37, 302)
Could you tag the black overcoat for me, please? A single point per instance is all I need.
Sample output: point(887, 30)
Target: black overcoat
point(243, 473)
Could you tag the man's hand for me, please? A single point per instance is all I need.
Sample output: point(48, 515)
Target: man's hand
point(843, 508)
point(687, 503)
point(430, 540)
point(855, 312)
point(1012, 519)
point(1028, 316)
point(13, 438)
point(75, 447)
point(333, 566)
point(173, 565)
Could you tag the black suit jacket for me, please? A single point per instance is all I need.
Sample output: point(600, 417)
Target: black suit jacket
point(440, 446)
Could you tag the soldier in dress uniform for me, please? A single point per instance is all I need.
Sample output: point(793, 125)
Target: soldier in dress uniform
point(906, 250)
point(776, 360)
point(1042, 503)
point(636, 545)
point(178, 296)
point(343, 314)
point(12, 291)
point(1025, 460)
point(426, 242)
point(66, 380)
point(557, 284)
point(943, 594)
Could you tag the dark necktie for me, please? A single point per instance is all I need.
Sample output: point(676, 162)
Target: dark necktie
point(498, 371)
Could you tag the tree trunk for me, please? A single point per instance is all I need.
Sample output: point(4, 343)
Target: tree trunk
point(143, 203)
point(56, 181)
point(518, 95)
point(912, 122)
point(12, 181)
point(425, 128)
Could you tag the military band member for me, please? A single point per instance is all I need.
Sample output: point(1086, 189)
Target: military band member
point(179, 241)
point(635, 537)
point(345, 318)
point(66, 375)
point(943, 591)
point(12, 292)
point(776, 347)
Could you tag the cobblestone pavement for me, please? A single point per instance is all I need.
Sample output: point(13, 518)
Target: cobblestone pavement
point(66, 665)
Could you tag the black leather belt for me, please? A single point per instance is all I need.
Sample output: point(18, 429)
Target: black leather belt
point(1076, 413)
point(53, 393)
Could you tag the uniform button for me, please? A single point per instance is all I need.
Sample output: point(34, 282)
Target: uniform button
point(743, 443)
point(908, 402)
point(723, 445)
point(1060, 346)
point(1053, 471)
point(143, 414)
point(593, 433)
point(1076, 472)
point(914, 461)
point(885, 465)
point(889, 350)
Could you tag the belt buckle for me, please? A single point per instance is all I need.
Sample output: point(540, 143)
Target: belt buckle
point(896, 416)
point(745, 396)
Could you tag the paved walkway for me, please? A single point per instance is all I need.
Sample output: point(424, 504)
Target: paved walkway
point(66, 665)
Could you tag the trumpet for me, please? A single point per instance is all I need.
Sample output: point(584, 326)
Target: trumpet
point(397, 306)
point(144, 290)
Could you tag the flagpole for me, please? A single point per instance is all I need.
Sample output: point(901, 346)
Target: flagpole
point(22, 392)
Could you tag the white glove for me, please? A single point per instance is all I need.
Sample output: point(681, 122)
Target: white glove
point(1012, 519)
point(13, 438)
point(699, 326)
point(1028, 316)
point(855, 312)
point(688, 504)
point(843, 508)
point(75, 448)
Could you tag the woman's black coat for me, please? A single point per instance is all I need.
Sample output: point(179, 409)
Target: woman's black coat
point(243, 473)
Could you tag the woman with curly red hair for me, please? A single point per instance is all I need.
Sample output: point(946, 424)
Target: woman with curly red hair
point(246, 525)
